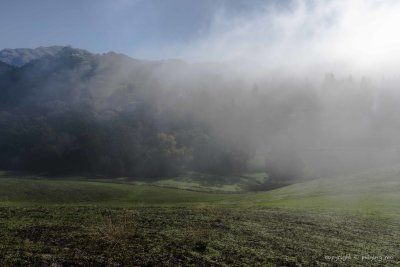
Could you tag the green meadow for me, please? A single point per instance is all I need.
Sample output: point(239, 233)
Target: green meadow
point(336, 221)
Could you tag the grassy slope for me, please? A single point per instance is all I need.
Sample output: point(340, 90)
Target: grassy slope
point(20, 191)
point(205, 182)
point(374, 192)
point(61, 222)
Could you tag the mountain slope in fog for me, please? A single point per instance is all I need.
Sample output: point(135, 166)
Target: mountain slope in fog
point(76, 112)
point(21, 56)
point(69, 75)
point(4, 68)
point(101, 114)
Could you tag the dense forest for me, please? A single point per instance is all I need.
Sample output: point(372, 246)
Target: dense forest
point(69, 111)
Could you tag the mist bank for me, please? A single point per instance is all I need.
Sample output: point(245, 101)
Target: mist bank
point(75, 112)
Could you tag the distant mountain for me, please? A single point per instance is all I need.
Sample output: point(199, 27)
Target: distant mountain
point(68, 111)
point(68, 74)
point(21, 56)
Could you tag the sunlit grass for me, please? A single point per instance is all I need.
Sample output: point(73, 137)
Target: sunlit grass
point(374, 193)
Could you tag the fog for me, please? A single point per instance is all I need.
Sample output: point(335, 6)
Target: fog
point(300, 91)
point(332, 124)
point(319, 78)
point(358, 37)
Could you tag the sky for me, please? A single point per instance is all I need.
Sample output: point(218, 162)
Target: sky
point(141, 28)
point(292, 34)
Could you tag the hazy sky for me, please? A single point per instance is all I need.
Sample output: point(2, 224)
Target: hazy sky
point(142, 28)
point(359, 34)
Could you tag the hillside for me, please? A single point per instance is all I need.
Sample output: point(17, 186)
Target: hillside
point(32, 191)
point(70, 221)
point(75, 113)
point(5, 68)
point(21, 56)
point(373, 193)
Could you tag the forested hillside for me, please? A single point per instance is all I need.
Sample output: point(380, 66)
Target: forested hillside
point(74, 112)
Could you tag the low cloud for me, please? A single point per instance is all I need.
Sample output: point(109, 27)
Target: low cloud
point(355, 36)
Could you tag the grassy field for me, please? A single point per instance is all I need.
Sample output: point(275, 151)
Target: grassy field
point(341, 221)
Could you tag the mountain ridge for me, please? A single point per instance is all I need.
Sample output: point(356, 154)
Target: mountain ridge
point(18, 57)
